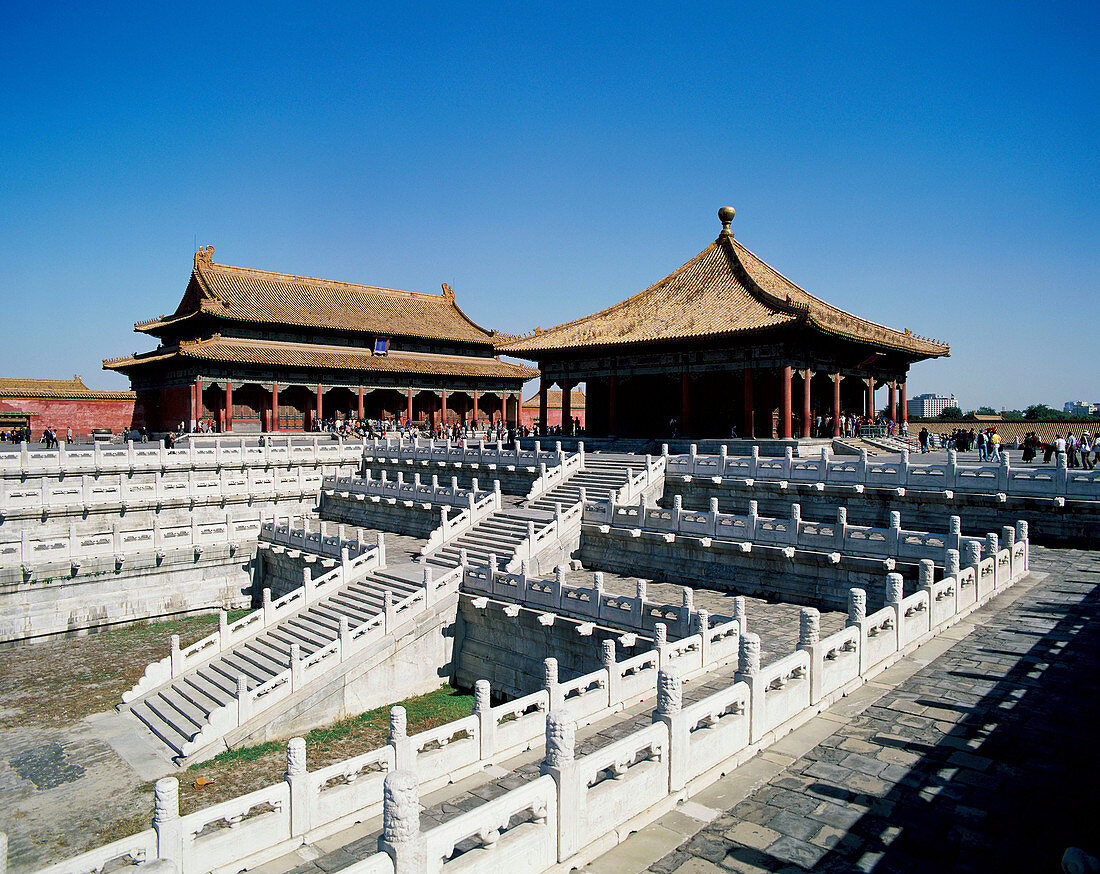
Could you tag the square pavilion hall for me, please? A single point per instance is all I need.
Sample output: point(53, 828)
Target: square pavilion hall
point(723, 342)
point(254, 351)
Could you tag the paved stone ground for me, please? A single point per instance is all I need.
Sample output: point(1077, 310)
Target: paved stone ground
point(976, 753)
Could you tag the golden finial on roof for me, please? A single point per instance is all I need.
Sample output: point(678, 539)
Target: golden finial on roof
point(204, 256)
point(448, 292)
point(725, 216)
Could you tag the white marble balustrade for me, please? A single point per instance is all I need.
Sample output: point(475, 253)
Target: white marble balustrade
point(1043, 482)
point(579, 799)
point(35, 552)
point(70, 460)
point(474, 453)
point(792, 532)
point(83, 492)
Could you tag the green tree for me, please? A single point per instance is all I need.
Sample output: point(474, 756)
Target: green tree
point(1012, 415)
point(952, 414)
point(1042, 411)
point(986, 411)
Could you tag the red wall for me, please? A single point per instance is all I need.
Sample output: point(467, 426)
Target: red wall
point(529, 415)
point(173, 407)
point(80, 414)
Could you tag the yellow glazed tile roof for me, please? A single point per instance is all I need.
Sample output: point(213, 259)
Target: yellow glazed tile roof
point(261, 296)
point(14, 387)
point(723, 290)
point(274, 353)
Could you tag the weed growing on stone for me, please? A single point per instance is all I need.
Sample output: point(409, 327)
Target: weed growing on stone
point(246, 769)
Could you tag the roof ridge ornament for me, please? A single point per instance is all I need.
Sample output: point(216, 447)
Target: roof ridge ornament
point(725, 216)
point(448, 292)
point(204, 256)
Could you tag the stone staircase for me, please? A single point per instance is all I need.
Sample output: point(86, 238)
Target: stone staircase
point(603, 473)
point(179, 710)
point(501, 533)
point(497, 535)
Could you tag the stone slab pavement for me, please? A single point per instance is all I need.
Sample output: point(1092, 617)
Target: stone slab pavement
point(977, 752)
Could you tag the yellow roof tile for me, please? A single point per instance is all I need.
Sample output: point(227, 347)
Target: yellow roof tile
point(274, 353)
point(723, 290)
point(249, 295)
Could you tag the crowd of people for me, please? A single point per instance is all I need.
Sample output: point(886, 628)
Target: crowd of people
point(16, 435)
point(1081, 452)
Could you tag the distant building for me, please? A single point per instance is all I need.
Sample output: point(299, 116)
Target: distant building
point(66, 403)
point(529, 415)
point(1080, 408)
point(252, 350)
point(723, 342)
point(928, 406)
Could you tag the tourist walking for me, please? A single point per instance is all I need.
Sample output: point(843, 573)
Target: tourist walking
point(1085, 444)
point(1071, 450)
point(923, 438)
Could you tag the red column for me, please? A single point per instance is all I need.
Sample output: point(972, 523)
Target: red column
point(685, 403)
point(750, 408)
point(475, 406)
point(785, 403)
point(228, 426)
point(543, 386)
point(198, 401)
point(410, 404)
point(904, 405)
point(893, 401)
point(807, 375)
point(566, 408)
point(443, 412)
point(613, 417)
point(317, 412)
point(836, 377)
point(869, 402)
point(361, 409)
point(273, 425)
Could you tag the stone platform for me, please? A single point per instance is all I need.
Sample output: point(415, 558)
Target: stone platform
point(974, 753)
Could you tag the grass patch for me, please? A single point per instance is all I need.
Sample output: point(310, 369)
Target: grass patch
point(87, 673)
point(236, 772)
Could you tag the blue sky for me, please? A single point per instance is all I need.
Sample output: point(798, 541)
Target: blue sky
point(931, 166)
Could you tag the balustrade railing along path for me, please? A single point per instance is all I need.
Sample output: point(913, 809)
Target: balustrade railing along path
point(193, 697)
point(586, 793)
point(552, 514)
point(474, 454)
point(316, 537)
point(42, 553)
point(1058, 483)
point(792, 533)
point(80, 494)
point(98, 458)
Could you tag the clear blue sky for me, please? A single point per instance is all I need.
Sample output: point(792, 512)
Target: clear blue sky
point(930, 166)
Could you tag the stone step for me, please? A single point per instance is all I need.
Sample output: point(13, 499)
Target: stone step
point(177, 710)
point(290, 636)
point(167, 734)
point(232, 666)
point(202, 692)
point(335, 609)
point(324, 625)
point(262, 661)
point(308, 634)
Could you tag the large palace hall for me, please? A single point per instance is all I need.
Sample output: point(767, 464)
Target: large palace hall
point(724, 342)
point(723, 345)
